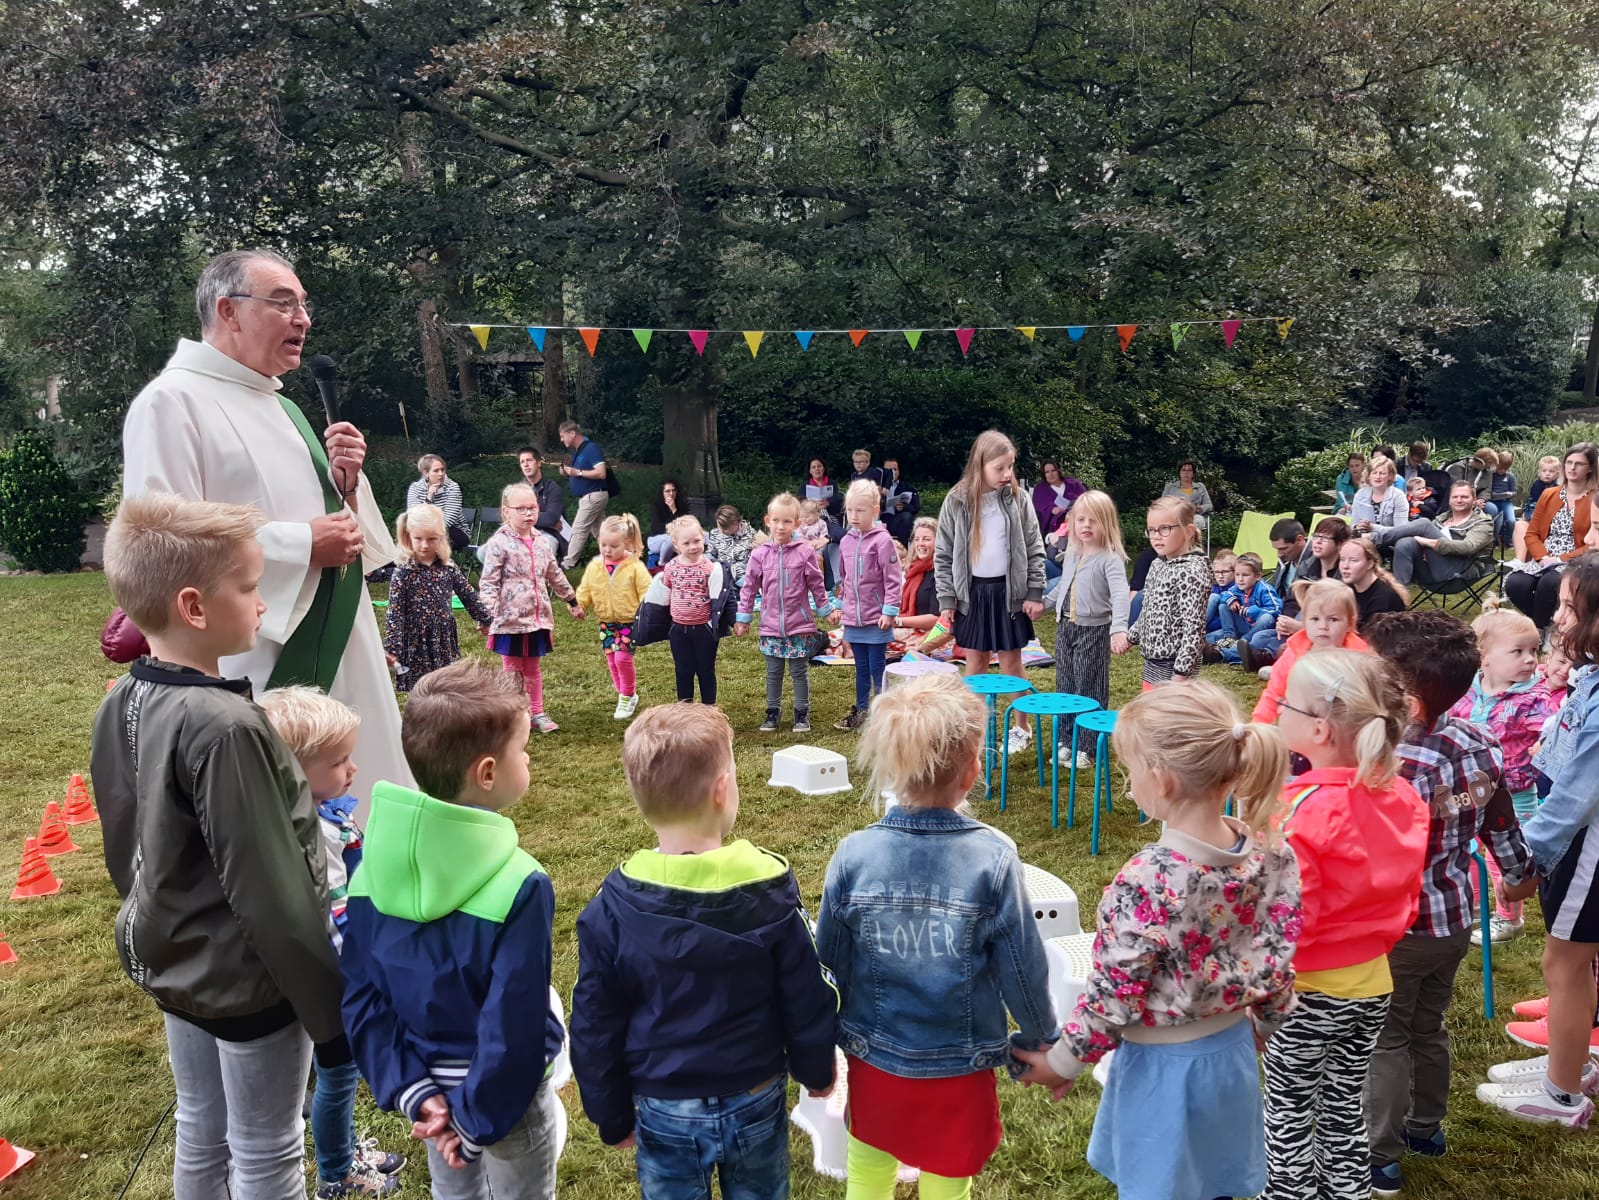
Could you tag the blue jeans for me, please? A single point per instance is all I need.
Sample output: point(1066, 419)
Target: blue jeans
point(1051, 573)
point(333, 1121)
point(1504, 514)
point(1213, 613)
point(743, 1138)
point(871, 658)
point(1134, 607)
point(1240, 627)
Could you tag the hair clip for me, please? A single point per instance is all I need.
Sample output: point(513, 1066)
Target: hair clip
point(1238, 731)
point(1331, 693)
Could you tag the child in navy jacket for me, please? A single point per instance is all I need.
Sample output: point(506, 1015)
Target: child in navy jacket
point(447, 945)
point(698, 987)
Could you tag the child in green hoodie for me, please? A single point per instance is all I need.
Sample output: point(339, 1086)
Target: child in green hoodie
point(447, 946)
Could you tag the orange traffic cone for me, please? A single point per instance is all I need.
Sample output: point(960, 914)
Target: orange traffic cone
point(35, 878)
point(7, 954)
point(79, 808)
point(53, 836)
point(12, 1158)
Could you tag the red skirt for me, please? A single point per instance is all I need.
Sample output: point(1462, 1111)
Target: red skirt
point(947, 1126)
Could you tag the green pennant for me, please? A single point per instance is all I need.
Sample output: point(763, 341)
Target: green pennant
point(1178, 332)
point(914, 337)
point(642, 337)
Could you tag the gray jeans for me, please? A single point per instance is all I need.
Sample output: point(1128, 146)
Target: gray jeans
point(239, 1114)
point(1407, 1084)
point(590, 512)
point(1412, 560)
point(799, 670)
point(520, 1166)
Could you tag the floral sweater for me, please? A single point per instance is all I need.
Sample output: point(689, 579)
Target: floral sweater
point(1190, 938)
point(515, 571)
point(1516, 717)
point(1171, 625)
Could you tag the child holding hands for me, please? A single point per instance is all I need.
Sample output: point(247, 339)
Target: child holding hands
point(869, 594)
point(421, 634)
point(1171, 622)
point(1090, 605)
point(785, 574)
point(1193, 956)
point(612, 588)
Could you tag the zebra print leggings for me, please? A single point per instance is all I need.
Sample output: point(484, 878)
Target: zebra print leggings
point(1316, 1146)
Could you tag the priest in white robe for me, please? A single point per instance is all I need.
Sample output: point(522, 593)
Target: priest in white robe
point(211, 426)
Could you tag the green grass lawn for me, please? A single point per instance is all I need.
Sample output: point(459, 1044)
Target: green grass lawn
point(82, 1070)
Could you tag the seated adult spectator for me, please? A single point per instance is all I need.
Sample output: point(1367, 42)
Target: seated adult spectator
point(438, 489)
point(1350, 480)
point(1360, 566)
point(1548, 477)
point(1556, 534)
point(900, 503)
point(1379, 505)
point(817, 486)
point(861, 460)
point(1191, 490)
point(1502, 507)
point(1053, 495)
point(1439, 551)
point(731, 542)
point(551, 497)
point(664, 509)
point(919, 598)
point(1383, 451)
point(1416, 461)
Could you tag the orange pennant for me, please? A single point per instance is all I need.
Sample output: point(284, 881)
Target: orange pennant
point(858, 335)
point(1125, 332)
point(590, 336)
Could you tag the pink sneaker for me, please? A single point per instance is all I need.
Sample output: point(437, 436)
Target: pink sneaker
point(1531, 1101)
point(543, 724)
point(1536, 1034)
point(1532, 1010)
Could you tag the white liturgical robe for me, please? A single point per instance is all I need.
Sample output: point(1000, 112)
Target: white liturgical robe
point(210, 428)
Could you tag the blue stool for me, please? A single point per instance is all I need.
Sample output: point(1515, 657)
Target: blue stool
point(1485, 909)
point(989, 686)
point(1101, 722)
point(1053, 705)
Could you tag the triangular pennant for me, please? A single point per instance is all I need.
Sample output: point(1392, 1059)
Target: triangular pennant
point(914, 337)
point(698, 336)
point(1027, 331)
point(642, 337)
point(1075, 332)
point(858, 335)
point(590, 336)
point(1125, 332)
point(1179, 330)
point(481, 332)
point(536, 332)
point(752, 339)
point(964, 337)
point(1284, 326)
point(803, 337)
point(1229, 331)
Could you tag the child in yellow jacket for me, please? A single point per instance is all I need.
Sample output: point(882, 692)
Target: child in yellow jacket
point(612, 589)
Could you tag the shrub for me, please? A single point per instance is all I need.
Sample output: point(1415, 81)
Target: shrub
point(42, 511)
point(1301, 481)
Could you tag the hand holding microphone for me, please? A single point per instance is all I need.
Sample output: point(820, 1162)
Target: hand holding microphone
point(346, 446)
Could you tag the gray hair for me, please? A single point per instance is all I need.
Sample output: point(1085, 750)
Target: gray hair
point(225, 275)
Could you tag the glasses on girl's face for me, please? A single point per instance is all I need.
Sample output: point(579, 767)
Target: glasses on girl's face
point(1304, 712)
point(1162, 530)
point(529, 511)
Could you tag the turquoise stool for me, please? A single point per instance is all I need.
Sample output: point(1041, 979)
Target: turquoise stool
point(1485, 910)
point(1103, 723)
point(1039, 705)
point(989, 686)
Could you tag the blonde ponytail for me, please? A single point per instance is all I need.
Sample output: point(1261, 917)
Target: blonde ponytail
point(920, 737)
point(1263, 765)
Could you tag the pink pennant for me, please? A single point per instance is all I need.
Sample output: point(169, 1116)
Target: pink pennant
point(963, 337)
point(1229, 330)
point(698, 336)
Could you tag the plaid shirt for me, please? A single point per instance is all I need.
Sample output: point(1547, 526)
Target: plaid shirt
point(1456, 768)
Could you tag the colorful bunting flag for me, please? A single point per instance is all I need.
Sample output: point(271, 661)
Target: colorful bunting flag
point(914, 337)
point(1075, 332)
point(642, 337)
point(963, 335)
point(858, 335)
point(591, 337)
point(1179, 330)
point(698, 336)
point(536, 332)
point(1125, 332)
point(481, 332)
point(1229, 331)
point(752, 339)
point(1027, 331)
point(803, 337)
point(1283, 327)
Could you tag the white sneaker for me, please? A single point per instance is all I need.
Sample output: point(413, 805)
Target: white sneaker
point(1018, 739)
point(1530, 1070)
point(1499, 930)
point(1085, 760)
point(620, 712)
point(631, 704)
point(1530, 1101)
point(1264, 674)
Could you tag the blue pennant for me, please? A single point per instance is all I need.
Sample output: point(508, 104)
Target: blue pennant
point(803, 337)
point(1075, 332)
point(536, 332)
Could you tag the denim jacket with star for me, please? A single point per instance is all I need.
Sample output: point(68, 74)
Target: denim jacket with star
point(928, 933)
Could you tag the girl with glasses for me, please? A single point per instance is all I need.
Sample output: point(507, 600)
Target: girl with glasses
point(1171, 623)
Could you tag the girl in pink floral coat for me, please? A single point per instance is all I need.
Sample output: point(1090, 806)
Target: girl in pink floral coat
point(1193, 955)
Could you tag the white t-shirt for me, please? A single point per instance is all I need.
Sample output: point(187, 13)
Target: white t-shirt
point(993, 554)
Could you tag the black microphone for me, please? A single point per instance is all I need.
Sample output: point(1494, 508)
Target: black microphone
point(326, 373)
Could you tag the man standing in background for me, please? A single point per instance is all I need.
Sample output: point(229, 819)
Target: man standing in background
point(587, 475)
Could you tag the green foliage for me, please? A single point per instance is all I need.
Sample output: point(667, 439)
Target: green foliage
point(1300, 482)
point(42, 511)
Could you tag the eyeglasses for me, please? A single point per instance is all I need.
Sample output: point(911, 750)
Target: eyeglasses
point(530, 510)
point(283, 304)
point(1301, 711)
point(1162, 530)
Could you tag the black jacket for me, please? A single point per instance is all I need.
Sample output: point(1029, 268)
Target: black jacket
point(697, 977)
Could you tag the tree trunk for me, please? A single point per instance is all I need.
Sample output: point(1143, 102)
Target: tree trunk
point(1590, 379)
point(433, 368)
point(552, 409)
point(689, 452)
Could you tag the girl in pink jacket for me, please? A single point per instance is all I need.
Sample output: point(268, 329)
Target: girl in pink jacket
point(870, 581)
point(787, 576)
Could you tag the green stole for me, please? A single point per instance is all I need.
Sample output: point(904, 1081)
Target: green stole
point(312, 653)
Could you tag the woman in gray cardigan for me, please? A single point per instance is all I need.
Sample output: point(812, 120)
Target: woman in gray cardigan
point(1188, 488)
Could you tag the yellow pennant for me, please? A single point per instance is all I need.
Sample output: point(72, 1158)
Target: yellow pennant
point(481, 332)
point(1027, 331)
point(752, 339)
point(1284, 326)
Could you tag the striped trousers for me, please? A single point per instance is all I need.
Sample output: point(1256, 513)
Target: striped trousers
point(1316, 1147)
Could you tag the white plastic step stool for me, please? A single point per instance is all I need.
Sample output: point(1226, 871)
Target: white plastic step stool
point(1053, 903)
point(1071, 958)
point(823, 1122)
point(811, 770)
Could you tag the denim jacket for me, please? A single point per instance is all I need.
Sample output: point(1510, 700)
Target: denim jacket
point(1567, 758)
point(928, 934)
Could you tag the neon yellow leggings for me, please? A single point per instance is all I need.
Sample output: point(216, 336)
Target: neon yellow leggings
point(872, 1177)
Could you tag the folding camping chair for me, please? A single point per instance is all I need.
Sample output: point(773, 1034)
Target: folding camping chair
point(1463, 592)
point(1254, 536)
